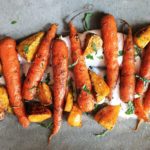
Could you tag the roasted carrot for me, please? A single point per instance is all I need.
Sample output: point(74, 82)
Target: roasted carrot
point(146, 100)
point(139, 88)
point(110, 45)
point(127, 78)
point(82, 79)
point(60, 76)
point(39, 65)
point(11, 71)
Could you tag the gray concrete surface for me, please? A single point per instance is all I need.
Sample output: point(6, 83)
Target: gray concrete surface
point(35, 15)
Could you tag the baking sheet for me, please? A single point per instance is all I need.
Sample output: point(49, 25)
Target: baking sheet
point(34, 15)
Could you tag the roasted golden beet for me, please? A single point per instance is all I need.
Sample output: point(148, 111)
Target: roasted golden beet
point(92, 41)
point(38, 112)
point(100, 86)
point(44, 94)
point(142, 37)
point(69, 102)
point(107, 116)
point(75, 117)
point(28, 47)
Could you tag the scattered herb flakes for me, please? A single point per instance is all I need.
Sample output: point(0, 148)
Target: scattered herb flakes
point(47, 125)
point(143, 79)
point(87, 20)
point(120, 53)
point(102, 134)
point(72, 65)
point(130, 109)
point(100, 57)
point(13, 22)
point(94, 47)
point(86, 89)
point(105, 77)
point(96, 107)
point(26, 49)
point(138, 51)
point(89, 56)
point(47, 79)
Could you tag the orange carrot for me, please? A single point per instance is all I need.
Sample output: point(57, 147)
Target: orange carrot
point(39, 65)
point(146, 100)
point(82, 79)
point(110, 45)
point(60, 75)
point(139, 88)
point(127, 79)
point(11, 71)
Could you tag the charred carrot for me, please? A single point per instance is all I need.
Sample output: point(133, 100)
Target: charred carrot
point(39, 65)
point(110, 45)
point(60, 76)
point(11, 71)
point(82, 79)
point(144, 73)
point(127, 79)
point(146, 100)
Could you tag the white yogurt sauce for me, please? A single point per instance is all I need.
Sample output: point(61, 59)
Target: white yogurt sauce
point(95, 63)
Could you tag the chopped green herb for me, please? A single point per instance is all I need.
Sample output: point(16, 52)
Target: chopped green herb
point(105, 77)
point(60, 36)
point(130, 109)
point(86, 89)
point(94, 47)
point(14, 22)
point(102, 134)
point(87, 20)
point(89, 56)
point(96, 107)
point(143, 79)
point(47, 125)
point(120, 53)
point(138, 51)
point(47, 79)
point(100, 57)
point(72, 65)
point(26, 49)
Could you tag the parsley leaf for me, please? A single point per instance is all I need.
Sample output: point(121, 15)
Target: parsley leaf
point(120, 53)
point(143, 79)
point(13, 22)
point(86, 89)
point(86, 20)
point(26, 49)
point(130, 109)
point(94, 47)
point(89, 56)
point(72, 65)
point(47, 79)
point(138, 51)
point(100, 57)
point(47, 125)
point(102, 134)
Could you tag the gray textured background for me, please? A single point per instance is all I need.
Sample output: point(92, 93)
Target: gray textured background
point(35, 15)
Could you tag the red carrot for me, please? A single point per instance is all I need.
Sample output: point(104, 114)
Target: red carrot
point(39, 65)
point(146, 100)
point(110, 45)
point(127, 79)
point(60, 75)
point(82, 79)
point(144, 73)
point(11, 71)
